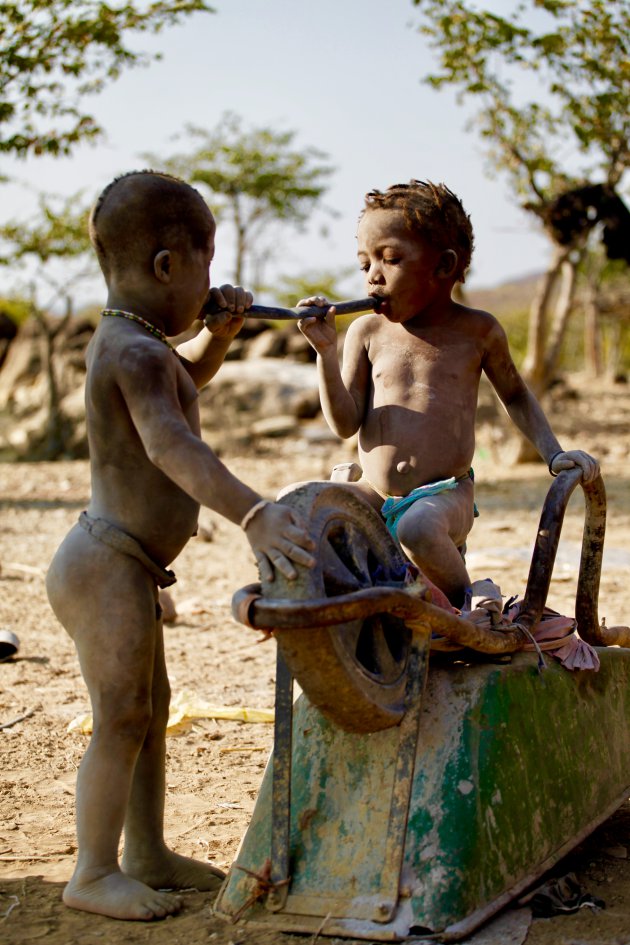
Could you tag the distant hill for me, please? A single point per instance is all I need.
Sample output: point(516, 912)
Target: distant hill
point(506, 298)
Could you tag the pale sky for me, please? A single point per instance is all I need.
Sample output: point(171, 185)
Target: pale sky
point(345, 75)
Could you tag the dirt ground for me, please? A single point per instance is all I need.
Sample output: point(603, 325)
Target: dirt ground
point(215, 766)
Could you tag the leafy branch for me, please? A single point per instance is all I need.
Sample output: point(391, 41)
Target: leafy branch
point(56, 52)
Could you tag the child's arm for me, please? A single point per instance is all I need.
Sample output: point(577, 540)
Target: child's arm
point(525, 411)
point(204, 354)
point(342, 396)
point(147, 379)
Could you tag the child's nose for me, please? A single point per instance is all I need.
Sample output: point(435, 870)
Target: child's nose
point(375, 274)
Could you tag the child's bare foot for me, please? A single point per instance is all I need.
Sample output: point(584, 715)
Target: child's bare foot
point(168, 870)
point(120, 897)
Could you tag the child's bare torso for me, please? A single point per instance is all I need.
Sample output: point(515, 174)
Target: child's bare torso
point(128, 489)
point(419, 423)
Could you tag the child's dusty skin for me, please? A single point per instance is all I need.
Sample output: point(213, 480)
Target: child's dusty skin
point(151, 471)
point(120, 897)
point(411, 374)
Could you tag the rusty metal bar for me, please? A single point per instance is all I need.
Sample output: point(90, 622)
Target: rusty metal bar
point(587, 595)
point(546, 547)
point(403, 780)
point(262, 614)
point(281, 787)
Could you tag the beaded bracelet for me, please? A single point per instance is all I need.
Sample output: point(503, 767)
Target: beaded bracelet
point(255, 509)
point(550, 463)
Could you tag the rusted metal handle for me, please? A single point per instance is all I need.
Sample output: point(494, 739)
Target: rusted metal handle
point(281, 614)
point(546, 547)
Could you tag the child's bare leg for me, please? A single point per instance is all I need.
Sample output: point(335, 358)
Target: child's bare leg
point(431, 532)
point(146, 857)
point(105, 602)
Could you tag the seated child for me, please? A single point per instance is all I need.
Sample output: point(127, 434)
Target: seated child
point(151, 471)
point(411, 374)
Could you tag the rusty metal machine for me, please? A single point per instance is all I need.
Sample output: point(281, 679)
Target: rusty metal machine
point(430, 772)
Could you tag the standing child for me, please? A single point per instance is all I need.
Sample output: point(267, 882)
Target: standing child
point(411, 375)
point(154, 237)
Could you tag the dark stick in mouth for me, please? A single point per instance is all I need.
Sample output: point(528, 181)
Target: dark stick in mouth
point(274, 313)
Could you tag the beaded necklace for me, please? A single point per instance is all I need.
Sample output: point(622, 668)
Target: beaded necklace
point(156, 332)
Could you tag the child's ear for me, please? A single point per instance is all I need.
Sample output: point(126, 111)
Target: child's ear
point(447, 264)
point(162, 265)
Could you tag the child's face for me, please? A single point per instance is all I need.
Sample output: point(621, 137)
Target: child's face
point(400, 267)
point(193, 282)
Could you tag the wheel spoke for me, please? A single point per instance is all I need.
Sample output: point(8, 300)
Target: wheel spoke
point(372, 562)
point(388, 666)
point(374, 653)
point(359, 548)
point(338, 566)
point(346, 639)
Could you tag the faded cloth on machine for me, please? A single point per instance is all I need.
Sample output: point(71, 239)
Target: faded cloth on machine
point(553, 634)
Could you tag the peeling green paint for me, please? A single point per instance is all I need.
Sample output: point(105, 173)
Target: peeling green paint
point(512, 767)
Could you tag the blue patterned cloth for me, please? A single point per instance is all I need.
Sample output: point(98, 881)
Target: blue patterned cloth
point(395, 507)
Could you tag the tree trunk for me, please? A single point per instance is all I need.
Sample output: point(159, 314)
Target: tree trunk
point(592, 334)
point(56, 424)
point(562, 313)
point(615, 346)
point(240, 230)
point(240, 256)
point(543, 344)
point(534, 364)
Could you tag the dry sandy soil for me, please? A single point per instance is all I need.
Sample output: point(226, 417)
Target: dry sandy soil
point(214, 766)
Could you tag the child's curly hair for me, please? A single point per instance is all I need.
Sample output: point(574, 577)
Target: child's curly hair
point(433, 212)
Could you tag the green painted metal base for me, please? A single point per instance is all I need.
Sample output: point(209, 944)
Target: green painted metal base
point(513, 768)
